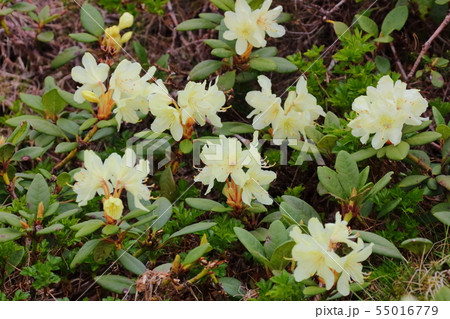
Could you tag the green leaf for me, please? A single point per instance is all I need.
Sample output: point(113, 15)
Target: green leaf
point(329, 179)
point(143, 221)
point(109, 230)
point(23, 7)
point(83, 37)
point(363, 154)
point(46, 36)
point(102, 251)
point(232, 286)
point(418, 246)
point(19, 134)
point(88, 123)
point(437, 79)
point(68, 97)
point(192, 229)
point(442, 213)
point(276, 236)
point(414, 128)
point(384, 39)
point(222, 53)
point(225, 5)
point(397, 152)
point(327, 142)
point(340, 28)
point(89, 227)
point(444, 180)
point(65, 147)
point(196, 253)
point(331, 120)
point(49, 230)
point(53, 102)
point(141, 53)
point(186, 146)
point(383, 65)
point(38, 192)
point(216, 44)
point(265, 52)
point(246, 76)
point(196, 24)
point(92, 20)
point(444, 293)
point(382, 246)
point(107, 123)
point(207, 205)
point(283, 65)
point(33, 101)
point(213, 17)
point(65, 214)
point(348, 172)
point(297, 209)
point(314, 290)
point(117, 284)
point(63, 179)
point(231, 128)
point(438, 118)
point(167, 184)
point(252, 244)
point(423, 138)
point(6, 152)
point(65, 56)
point(5, 11)
point(368, 25)
point(10, 219)
point(412, 180)
point(103, 132)
point(394, 20)
point(28, 153)
point(139, 212)
point(130, 262)
point(263, 64)
point(204, 69)
point(380, 184)
point(46, 127)
point(8, 234)
point(281, 255)
point(162, 212)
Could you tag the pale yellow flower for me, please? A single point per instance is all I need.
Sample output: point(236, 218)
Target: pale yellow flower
point(91, 180)
point(200, 102)
point(91, 76)
point(384, 111)
point(352, 267)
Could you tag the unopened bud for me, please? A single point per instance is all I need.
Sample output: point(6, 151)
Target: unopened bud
point(113, 207)
point(40, 211)
point(126, 20)
point(126, 37)
point(90, 96)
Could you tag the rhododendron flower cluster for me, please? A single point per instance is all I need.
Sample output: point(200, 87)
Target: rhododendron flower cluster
point(250, 27)
point(288, 122)
point(127, 89)
point(384, 111)
point(244, 167)
point(195, 103)
point(133, 96)
point(317, 253)
point(110, 178)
